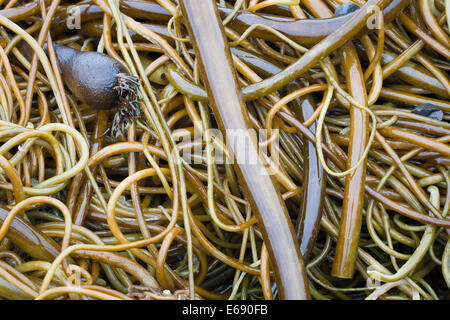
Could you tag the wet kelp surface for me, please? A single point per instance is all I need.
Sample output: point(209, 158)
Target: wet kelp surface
point(248, 149)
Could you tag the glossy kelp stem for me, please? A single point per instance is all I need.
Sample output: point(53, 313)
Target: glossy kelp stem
point(431, 42)
point(208, 36)
point(313, 191)
point(95, 29)
point(351, 218)
point(416, 75)
point(262, 65)
point(29, 239)
point(302, 31)
point(10, 292)
point(21, 12)
point(311, 209)
point(89, 11)
point(353, 72)
point(432, 23)
point(403, 97)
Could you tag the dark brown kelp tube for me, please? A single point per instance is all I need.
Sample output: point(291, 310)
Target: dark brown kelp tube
point(30, 240)
point(208, 36)
point(313, 190)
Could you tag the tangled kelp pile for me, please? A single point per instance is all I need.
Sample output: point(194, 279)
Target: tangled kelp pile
point(116, 116)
